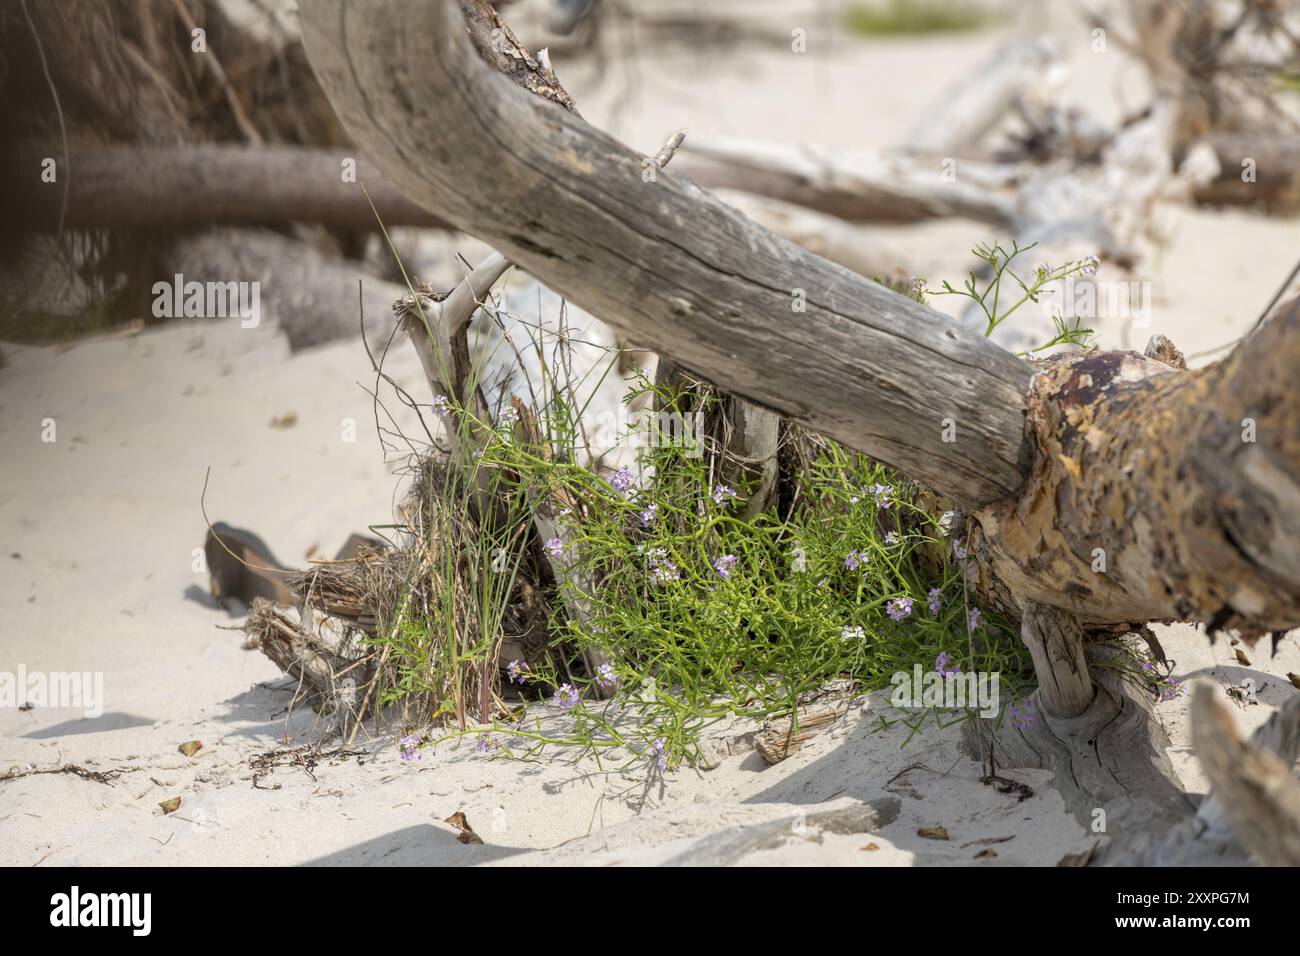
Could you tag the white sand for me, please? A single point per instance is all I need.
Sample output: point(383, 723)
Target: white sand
point(99, 528)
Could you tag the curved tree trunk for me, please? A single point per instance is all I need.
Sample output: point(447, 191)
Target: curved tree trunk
point(1111, 488)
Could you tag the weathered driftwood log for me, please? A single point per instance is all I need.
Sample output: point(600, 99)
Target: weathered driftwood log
point(1183, 480)
point(180, 187)
point(856, 186)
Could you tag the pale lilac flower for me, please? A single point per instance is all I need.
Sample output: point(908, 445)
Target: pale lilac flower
point(566, 695)
point(648, 516)
point(1090, 265)
point(882, 495)
point(1022, 715)
point(661, 569)
point(853, 633)
point(915, 286)
point(891, 538)
point(555, 547)
point(622, 480)
point(605, 675)
point(484, 743)
point(959, 550)
point(1173, 691)
point(935, 600)
point(944, 665)
point(725, 564)
point(409, 743)
point(660, 753)
point(441, 404)
point(722, 494)
point(973, 619)
point(853, 560)
point(516, 672)
point(508, 415)
point(899, 608)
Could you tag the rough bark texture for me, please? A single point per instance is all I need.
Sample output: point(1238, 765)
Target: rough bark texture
point(1152, 471)
point(666, 262)
point(179, 187)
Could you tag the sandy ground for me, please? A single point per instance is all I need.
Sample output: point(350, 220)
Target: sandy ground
point(99, 529)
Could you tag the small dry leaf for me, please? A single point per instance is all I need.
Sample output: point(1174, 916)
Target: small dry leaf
point(985, 854)
point(170, 806)
point(461, 823)
point(871, 846)
point(190, 747)
point(933, 833)
point(1078, 859)
point(287, 420)
point(1242, 658)
point(1294, 679)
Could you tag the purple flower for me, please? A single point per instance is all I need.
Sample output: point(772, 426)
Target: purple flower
point(899, 608)
point(959, 550)
point(935, 600)
point(725, 564)
point(891, 538)
point(517, 672)
point(944, 665)
point(853, 560)
point(622, 480)
point(1022, 715)
point(722, 494)
point(409, 743)
point(508, 415)
point(441, 405)
point(648, 516)
point(484, 743)
point(881, 493)
point(973, 619)
point(555, 547)
point(605, 675)
point(566, 695)
point(659, 753)
point(915, 287)
point(1174, 690)
point(661, 569)
point(1090, 265)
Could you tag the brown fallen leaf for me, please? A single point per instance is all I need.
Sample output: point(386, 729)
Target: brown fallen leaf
point(1294, 679)
point(1242, 658)
point(170, 806)
point(287, 420)
point(190, 747)
point(871, 846)
point(1078, 859)
point(461, 823)
point(933, 833)
point(985, 854)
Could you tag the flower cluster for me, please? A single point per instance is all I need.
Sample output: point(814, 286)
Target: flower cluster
point(441, 404)
point(661, 569)
point(605, 676)
point(725, 564)
point(722, 494)
point(935, 600)
point(517, 672)
point(622, 480)
point(659, 753)
point(566, 695)
point(882, 494)
point(944, 665)
point(1022, 715)
point(648, 516)
point(899, 608)
point(555, 547)
point(409, 744)
point(853, 633)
